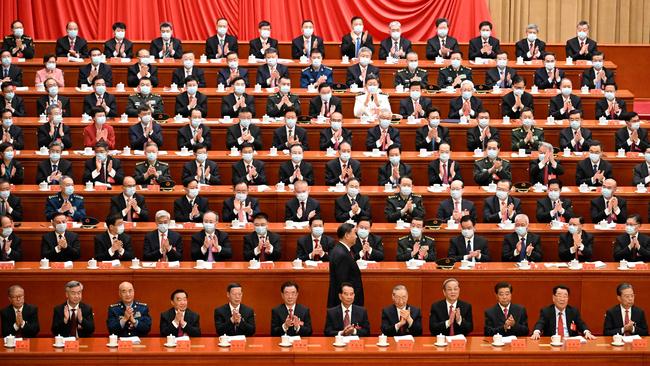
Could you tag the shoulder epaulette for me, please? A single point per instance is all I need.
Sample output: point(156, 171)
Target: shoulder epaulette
point(403, 237)
point(163, 163)
point(53, 196)
point(140, 162)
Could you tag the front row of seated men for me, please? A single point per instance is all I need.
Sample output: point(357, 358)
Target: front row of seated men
point(449, 316)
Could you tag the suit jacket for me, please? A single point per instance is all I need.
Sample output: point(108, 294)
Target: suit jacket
point(152, 246)
point(16, 249)
point(495, 319)
point(103, 244)
point(334, 320)
point(111, 44)
point(255, 46)
point(157, 46)
point(224, 75)
point(492, 77)
point(234, 133)
point(326, 138)
point(71, 253)
point(474, 138)
point(547, 323)
point(263, 74)
point(30, 316)
point(522, 47)
point(573, 49)
point(178, 77)
point(589, 75)
point(440, 314)
point(298, 46)
point(192, 323)
point(182, 209)
point(508, 102)
point(316, 105)
point(557, 103)
point(483, 177)
point(456, 104)
point(541, 79)
point(18, 176)
point(640, 174)
point(90, 136)
point(63, 47)
point(387, 43)
point(279, 315)
point(622, 249)
point(44, 169)
point(458, 248)
point(510, 243)
point(598, 210)
point(545, 206)
point(306, 246)
point(292, 205)
point(223, 240)
point(224, 326)
point(105, 71)
point(18, 105)
point(433, 47)
point(343, 268)
point(228, 102)
point(118, 204)
point(287, 169)
point(342, 207)
point(184, 137)
point(374, 134)
point(190, 172)
point(251, 241)
point(87, 325)
point(385, 172)
point(475, 45)
point(421, 138)
point(537, 175)
point(280, 138)
point(353, 74)
point(390, 317)
point(622, 136)
point(446, 209)
point(602, 108)
point(133, 80)
point(333, 171)
point(183, 101)
point(44, 101)
point(44, 138)
point(90, 166)
point(90, 102)
point(212, 48)
point(228, 213)
point(614, 321)
point(239, 173)
point(406, 107)
point(348, 47)
point(15, 74)
point(566, 243)
point(377, 245)
point(434, 172)
point(566, 135)
point(585, 171)
point(138, 140)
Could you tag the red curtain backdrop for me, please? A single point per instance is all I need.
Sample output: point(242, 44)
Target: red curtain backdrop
point(195, 19)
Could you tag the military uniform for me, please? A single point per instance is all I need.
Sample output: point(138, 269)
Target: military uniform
point(308, 76)
point(405, 77)
point(142, 324)
point(394, 205)
point(142, 167)
point(483, 178)
point(154, 101)
point(9, 43)
point(519, 134)
point(447, 75)
point(54, 203)
point(272, 104)
point(405, 246)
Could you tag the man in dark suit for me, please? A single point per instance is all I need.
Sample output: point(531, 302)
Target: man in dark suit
point(455, 207)
point(545, 168)
point(10, 131)
point(594, 170)
point(347, 319)
point(242, 132)
point(625, 318)
point(468, 246)
point(54, 130)
point(258, 46)
point(96, 67)
point(484, 46)
point(118, 46)
point(443, 170)
point(210, 244)
point(191, 207)
point(10, 243)
point(10, 73)
point(432, 135)
point(162, 244)
point(502, 206)
point(394, 169)
point(360, 72)
point(575, 137)
point(179, 320)
point(100, 99)
point(248, 170)
point(129, 204)
point(288, 135)
point(608, 206)
point(18, 318)
point(513, 103)
point(560, 318)
point(194, 134)
point(450, 316)
point(146, 131)
point(203, 170)
point(575, 243)
point(73, 318)
point(466, 104)
point(71, 44)
point(53, 99)
point(180, 74)
point(632, 137)
point(395, 46)
point(296, 168)
point(504, 317)
point(270, 74)
point(142, 69)
point(581, 47)
point(382, 137)
point(552, 207)
point(609, 106)
point(222, 43)
point(102, 167)
point(479, 135)
point(441, 45)
point(234, 318)
point(227, 75)
point(400, 318)
point(334, 135)
point(234, 103)
point(12, 205)
point(315, 245)
point(352, 42)
point(530, 48)
point(306, 42)
point(190, 100)
point(549, 76)
point(290, 318)
point(501, 75)
point(54, 168)
point(324, 104)
point(60, 245)
point(343, 268)
point(13, 104)
point(641, 173)
point(597, 76)
point(301, 208)
point(262, 244)
point(352, 205)
point(522, 244)
point(632, 246)
point(240, 206)
point(415, 245)
point(562, 104)
point(113, 243)
point(367, 246)
point(166, 46)
point(341, 169)
point(415, 105)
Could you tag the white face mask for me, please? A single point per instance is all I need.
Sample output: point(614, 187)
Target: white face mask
point(317, 62)
point(413, 65)
point(394, 35)
point(549, 65)
point(188, 64)
point(358, 28)
point(364, 61)
point(119, 35)
point(307, 32)
point(415, 94)
point(582, 35)
point(444, 157)
point(233, 64)
point(455, 63)
point(483, 122)
point(240, 89)
point(597, 65)
point(532, 37)
point(222, 30)
point(373, 89)
point(265, 33)
point(486, 34)
point(272, 61)
point(610, 96)
point(285, 89)
point(566, 91)
point(192, 192)
point(442, 32)
point(166, 36)
point(434, 122)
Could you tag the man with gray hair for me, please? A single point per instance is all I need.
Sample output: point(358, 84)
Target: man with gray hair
point(531, 48)
point(361, 71)
point(395, 45)
point(19, 319)
point(545, 167)
point(162, 244)
point(54, 130)
point(625, 318)
point(73, 318)
point(521, 245)
point(401, 318)
point(466, 105)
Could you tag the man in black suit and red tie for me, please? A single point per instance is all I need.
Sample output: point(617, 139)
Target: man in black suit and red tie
point(10, 243)
point(258, 46)
point(352, 205)
point(576, 243)
point(632, 137)
point(335, 134)
point(210, 244)
point(71, 44)
point(301, 208)
point(561, 318)
point(290, 318)
point(581, 47)
point(504, 317)
point(262, 244)
point(234, 318)
point(222, 43)
point(180, 75)
point(401, 318)
point(562, 104)
point(113, 243)
point(343, 267)
point(95, 68)
point(450, 316)
point(19, 319)
point(468, 246)
point(441, 45)
point(179, 320)
point(625, 318)
point(632, 246)
point(552, 207)
point(162, 244)
point(395, 46)
point(346, 318)
point(324, 104)
point(316, 245)
point(229, 74)
point(530, 48)
point(484, 46)
point(73, 318)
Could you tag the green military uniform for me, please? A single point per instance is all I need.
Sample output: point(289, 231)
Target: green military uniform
point(394, 205)
point(483, 178)
point(9, 43)
point(154, 101)
point(142, 167)
point(447, 75)
point(519, 134)
point(405, 246)
point(405, 77)
point(273, 100)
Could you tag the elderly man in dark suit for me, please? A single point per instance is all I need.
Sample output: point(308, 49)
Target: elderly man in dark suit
point(504, 317)
point(290, 318)
point(343, 268)
point(234, 318)
point(73, 318)
point(346, 318)
point(179, 320)
point(450, 316)
point(401, 318)
point(561, 318)
point(19, 318)
point(625, 318)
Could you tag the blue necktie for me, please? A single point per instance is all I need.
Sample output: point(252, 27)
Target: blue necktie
point(522, 254)
point(357, 47)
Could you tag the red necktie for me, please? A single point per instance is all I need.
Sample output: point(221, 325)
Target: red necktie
point(627, 319)
point(546, 174)
point(212, 245)
point(445, 176)
point(505, 313)
point(316, 245)
point(346, 318)
point(366, 256)
point(327, 109)
point(180, 332)
point(263, 251)
point(560, 325)
point(451, 325)
point(162, 240)
point(74, 323)
point(72, 44)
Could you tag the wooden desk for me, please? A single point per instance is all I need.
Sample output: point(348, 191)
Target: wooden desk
point(491, 101)
point(592, 291)
point(262, 350)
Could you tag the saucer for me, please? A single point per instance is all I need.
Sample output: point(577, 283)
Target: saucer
point(58, 346)
point(464, 268)
point(382, 344)
point(557, 344)
point(96, 267)
point(440, 344)
point(224, 344)
point(339, 344)
point(622, 268)
point(413, 267)
point(111, 345)
point(498, 344)
point(135, 267)
point(48, 267)
point(170, 345)
point(285, 344)
point(6, 346)
point(618, 344)
point(297, 268)
point(249, 267)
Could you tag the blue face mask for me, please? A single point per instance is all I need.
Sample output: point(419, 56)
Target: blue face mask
point(521, 230)
point(69, 190)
